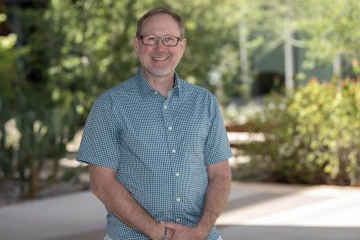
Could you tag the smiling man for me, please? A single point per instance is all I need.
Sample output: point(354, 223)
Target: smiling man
point(156, 145)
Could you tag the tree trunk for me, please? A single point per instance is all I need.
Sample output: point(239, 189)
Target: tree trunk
point(288, 58)
point(245, 77)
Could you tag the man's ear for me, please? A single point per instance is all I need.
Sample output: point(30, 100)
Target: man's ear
point(183, 46)
point(136, 45)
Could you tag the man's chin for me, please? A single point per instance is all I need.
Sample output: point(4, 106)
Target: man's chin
point(161, 73)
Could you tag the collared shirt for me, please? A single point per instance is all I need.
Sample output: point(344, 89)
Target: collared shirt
point(160, 148)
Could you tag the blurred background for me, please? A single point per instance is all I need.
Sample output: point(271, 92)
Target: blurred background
point(286, 74)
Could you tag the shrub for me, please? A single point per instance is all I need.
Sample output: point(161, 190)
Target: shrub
point(313, 136)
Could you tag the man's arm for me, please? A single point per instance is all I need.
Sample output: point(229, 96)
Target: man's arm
point(121, 203)
point(217, 193)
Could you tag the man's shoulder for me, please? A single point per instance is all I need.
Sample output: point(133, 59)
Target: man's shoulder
point(193, 89)
point(119, 91)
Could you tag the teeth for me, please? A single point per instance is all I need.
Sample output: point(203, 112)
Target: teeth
point(160, 59)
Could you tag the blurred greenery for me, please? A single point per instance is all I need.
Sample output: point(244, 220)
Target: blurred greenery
point(312, 136)
point(62, 54)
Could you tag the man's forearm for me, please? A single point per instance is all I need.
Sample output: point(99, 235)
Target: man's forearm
point(215, 199)
point(123, 205)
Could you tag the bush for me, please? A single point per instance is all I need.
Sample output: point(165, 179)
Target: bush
point(38, 115)
point(313, 136)
point(7, 75)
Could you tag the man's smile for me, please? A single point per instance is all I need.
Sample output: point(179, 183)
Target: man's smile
point(160, 58)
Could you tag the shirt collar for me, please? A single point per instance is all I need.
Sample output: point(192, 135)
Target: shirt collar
point(146, 89)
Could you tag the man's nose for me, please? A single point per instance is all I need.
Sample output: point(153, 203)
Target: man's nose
point(160, 44)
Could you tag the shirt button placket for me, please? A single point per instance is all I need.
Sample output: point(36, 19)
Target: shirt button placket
point(177, 175)
point(173, 153)
point(168, 122)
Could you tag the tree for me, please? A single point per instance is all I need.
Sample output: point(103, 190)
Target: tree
point(330, 31)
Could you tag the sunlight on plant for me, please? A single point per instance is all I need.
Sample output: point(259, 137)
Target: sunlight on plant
point(12, 135)
point(313, 136)
point(241, 114)
point(8, 42)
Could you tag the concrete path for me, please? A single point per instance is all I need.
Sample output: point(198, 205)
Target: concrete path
point(254, 212)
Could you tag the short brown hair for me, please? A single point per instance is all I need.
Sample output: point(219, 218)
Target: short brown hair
point(161, 10)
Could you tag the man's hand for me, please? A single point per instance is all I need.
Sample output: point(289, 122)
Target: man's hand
point(182, 232)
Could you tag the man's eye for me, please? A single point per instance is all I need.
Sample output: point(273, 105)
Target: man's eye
point(151, 39)
point(169, 39)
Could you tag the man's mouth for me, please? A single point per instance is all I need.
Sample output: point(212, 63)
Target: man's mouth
point(159, 58)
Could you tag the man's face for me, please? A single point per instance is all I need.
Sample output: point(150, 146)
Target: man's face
point(159, 60)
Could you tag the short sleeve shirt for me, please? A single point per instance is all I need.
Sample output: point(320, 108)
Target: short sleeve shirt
point(160, 148)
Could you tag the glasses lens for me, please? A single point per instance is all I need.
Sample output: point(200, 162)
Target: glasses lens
point(170, 41)
point(150, 40)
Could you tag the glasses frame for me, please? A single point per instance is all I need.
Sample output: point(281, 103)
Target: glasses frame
point(157, 40)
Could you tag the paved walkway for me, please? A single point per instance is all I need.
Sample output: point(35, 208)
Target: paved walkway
point(254, 212)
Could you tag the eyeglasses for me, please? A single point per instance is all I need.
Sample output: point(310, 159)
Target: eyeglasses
point(153, 40)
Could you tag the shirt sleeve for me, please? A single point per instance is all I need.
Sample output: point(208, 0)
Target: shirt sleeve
point(100, 141)
point(217, 146)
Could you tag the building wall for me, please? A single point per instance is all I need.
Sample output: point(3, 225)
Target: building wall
point(270, 71)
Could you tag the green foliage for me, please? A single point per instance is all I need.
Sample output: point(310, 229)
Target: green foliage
point(330, 27)
point(7, 66)
point(7, 74)
point(95, 40)
point(45, 130)
point(313, 136)
point(30, 98)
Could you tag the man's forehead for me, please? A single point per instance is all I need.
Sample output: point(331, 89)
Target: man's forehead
point(160, 18)
point(160, 23)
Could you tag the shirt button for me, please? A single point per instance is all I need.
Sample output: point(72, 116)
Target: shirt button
point(156, 92)
point(178, 220)
point(177, 174)
point(178, 199)
point(170, 128)
point(173, 151)
point(165, 107)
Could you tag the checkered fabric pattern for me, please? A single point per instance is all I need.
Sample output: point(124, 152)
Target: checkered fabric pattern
point(160, 148)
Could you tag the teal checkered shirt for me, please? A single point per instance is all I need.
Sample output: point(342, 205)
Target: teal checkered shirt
point(160, 148)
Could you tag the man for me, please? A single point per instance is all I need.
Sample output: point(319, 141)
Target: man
point(156, 145)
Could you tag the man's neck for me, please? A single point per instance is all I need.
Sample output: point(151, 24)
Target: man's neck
point(161, 84)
